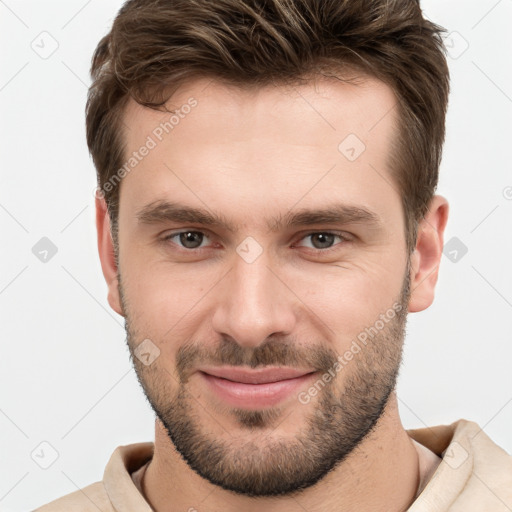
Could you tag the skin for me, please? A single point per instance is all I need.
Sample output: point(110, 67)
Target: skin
point(253, 156)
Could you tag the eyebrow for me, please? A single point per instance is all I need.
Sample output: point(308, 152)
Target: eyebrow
point(162, 211)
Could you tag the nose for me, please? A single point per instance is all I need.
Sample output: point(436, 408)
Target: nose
point(253, 303)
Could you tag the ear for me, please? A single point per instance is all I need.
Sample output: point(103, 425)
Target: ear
point(427, 255)
point(106, 252)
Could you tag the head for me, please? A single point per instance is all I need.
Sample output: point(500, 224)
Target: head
point(266, 177)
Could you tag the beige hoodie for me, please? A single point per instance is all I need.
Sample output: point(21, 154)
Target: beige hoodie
point(475, 475)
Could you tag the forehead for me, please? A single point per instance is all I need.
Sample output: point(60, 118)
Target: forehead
point(358, 106)
point(273, 141)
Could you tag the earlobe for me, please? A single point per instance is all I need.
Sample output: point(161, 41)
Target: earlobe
point(427, 255)
point(106, 253)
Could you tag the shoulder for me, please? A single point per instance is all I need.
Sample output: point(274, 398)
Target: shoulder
point(117, 486)
point(89, 499)
point(480, 445)
point(475, 472)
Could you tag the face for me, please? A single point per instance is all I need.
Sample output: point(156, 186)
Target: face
point(263, 275)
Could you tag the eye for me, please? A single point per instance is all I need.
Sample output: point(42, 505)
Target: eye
point(187, 239)
point(324, 240)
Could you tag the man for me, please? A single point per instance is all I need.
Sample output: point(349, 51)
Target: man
point(266, 218)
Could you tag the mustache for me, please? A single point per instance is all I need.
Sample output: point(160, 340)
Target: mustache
point(273, 352)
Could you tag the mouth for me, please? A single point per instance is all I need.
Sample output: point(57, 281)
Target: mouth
point(254, 388)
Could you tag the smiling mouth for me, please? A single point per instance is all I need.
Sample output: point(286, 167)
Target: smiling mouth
point(254, 388)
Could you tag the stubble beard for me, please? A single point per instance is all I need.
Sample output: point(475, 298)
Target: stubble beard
point(253, 460)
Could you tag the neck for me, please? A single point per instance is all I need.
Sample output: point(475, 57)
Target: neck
point(381, 474)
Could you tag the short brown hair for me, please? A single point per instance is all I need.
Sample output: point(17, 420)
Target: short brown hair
point(154, 46)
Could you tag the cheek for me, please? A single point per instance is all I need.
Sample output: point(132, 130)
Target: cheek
point(347, 300)
point(349, 306)
point(165, 300)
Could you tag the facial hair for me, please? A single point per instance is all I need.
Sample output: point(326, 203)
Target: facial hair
point(345, 412)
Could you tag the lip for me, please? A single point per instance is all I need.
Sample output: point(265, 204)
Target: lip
point(255, 376)
point(249, 389)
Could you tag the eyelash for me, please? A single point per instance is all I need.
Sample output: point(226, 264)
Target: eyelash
point(342, 236)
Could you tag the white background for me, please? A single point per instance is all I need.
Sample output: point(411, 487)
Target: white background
point(65, 372)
